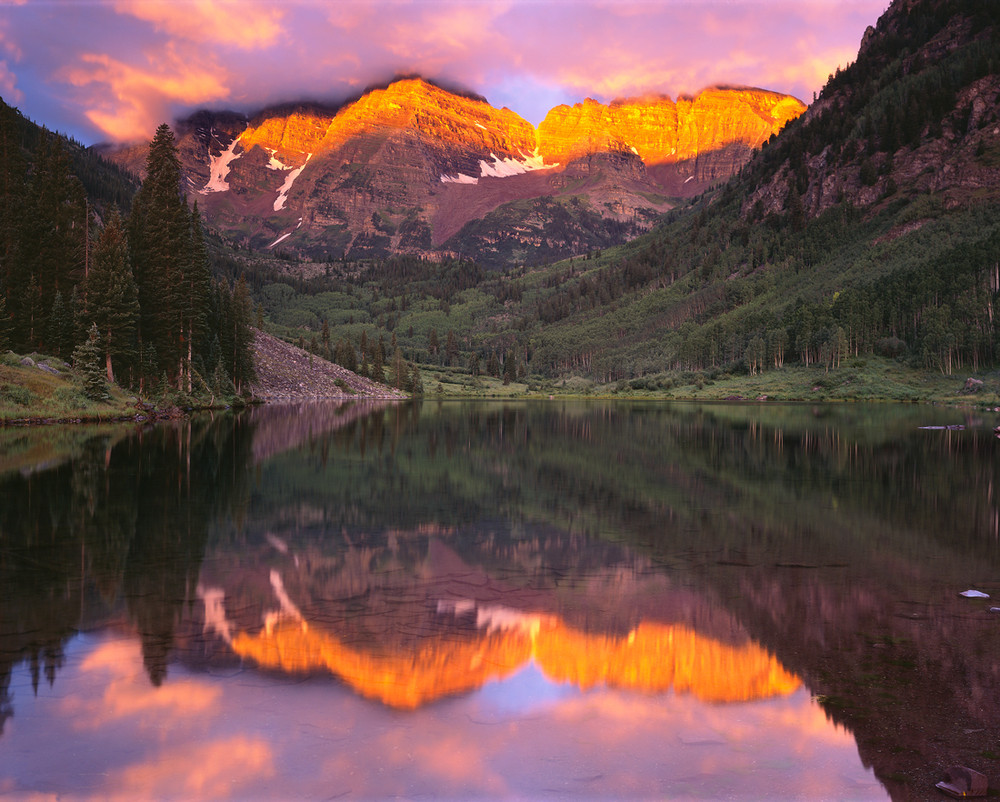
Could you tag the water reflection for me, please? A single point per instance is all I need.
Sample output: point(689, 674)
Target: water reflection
point(619, 571)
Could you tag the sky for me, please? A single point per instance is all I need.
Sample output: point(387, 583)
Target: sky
point(112, 70)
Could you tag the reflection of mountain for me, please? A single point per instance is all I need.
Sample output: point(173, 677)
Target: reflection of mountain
point(283, 427)
point(650, 658)
point(619, 624)
point(832, 537)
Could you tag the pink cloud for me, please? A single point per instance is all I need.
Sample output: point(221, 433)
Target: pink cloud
point(8, 84)
point(123, 66)
point(244, 25)
point(127, 101)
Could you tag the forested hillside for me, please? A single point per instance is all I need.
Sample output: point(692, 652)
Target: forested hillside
point(868, 226)
point(130, 298)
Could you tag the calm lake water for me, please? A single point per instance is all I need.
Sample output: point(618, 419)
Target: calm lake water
point(501, 600)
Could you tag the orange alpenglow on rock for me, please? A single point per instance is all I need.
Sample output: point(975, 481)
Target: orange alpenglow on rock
point(660, 131)
point(651, 658)
point(410, 105)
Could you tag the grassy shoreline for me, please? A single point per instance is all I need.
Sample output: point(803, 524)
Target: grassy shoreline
point(41, 390)
point(864, 379)
point(37, 389)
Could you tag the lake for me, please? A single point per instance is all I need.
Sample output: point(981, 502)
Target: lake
point(457, 600)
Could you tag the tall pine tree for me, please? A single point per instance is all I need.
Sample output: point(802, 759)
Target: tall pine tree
point(159, 230)
point(113, 298)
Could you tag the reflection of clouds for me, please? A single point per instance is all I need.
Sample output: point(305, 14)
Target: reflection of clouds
point(127, 691)
point(225, 769)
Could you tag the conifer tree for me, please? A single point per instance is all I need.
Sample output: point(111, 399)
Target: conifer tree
point(4, 324)
point(400, 373)
point(53, 237)
point(87, 362)
point(113, 298)
point(160, 243)
point(241, 316)
point(60, 335)
point(13, 181)
point(416, 382)
point(193, 298)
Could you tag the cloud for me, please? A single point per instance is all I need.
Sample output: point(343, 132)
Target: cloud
point(8, 84)
point(247, 26)
point(124, 66)
point(127, 101)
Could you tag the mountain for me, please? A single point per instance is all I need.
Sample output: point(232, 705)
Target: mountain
point(916, 113)
point(868, 227)
point(414, 168)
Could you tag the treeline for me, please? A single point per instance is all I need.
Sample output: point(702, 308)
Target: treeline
point(134, 293)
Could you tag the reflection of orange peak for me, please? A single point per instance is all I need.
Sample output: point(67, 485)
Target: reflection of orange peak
point(653, 658)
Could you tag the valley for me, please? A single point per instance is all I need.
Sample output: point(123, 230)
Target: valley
point(710, 246)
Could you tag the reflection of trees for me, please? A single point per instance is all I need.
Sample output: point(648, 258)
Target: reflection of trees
point(828, 537)
point(118, 526)
point(837, 536)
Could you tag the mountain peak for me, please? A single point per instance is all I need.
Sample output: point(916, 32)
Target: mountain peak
point(658, 130)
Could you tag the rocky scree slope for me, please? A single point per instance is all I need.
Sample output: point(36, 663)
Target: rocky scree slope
point(287, 373)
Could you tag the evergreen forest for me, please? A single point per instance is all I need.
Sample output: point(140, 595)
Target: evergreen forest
point(112, 274)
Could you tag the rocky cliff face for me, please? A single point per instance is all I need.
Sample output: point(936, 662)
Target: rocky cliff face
point(415, 168)
point(917, 113)
point(710, 135)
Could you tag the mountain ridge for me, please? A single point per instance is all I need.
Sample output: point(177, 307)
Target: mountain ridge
point(375, 176)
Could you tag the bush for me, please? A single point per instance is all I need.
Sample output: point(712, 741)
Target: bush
point(15, 394)
point(890, 347)
point(69, 397)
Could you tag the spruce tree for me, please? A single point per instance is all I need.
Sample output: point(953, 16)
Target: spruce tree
point(53, 237)
point(243, 338)
point(113, 298)
point(194, 298)
point(60, 336)
point(159, 236)
point(87, 363)
point(13, 183)
point(4, 324)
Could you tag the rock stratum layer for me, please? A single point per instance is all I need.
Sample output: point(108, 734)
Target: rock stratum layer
point(413, 168)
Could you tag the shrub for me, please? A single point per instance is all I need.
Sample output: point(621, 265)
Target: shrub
point(15, 394)
point(890, 347)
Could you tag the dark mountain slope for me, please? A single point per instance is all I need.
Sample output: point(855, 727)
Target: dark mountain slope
point(868, 225)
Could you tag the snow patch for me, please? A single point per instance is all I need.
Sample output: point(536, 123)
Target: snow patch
point(274, 163)
point(283, 190)
point(218, 169)
point(689, 178)
point(478, 125)
point(636, 152)
point(459, 179)
point(501, 168)
point(280, 239)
